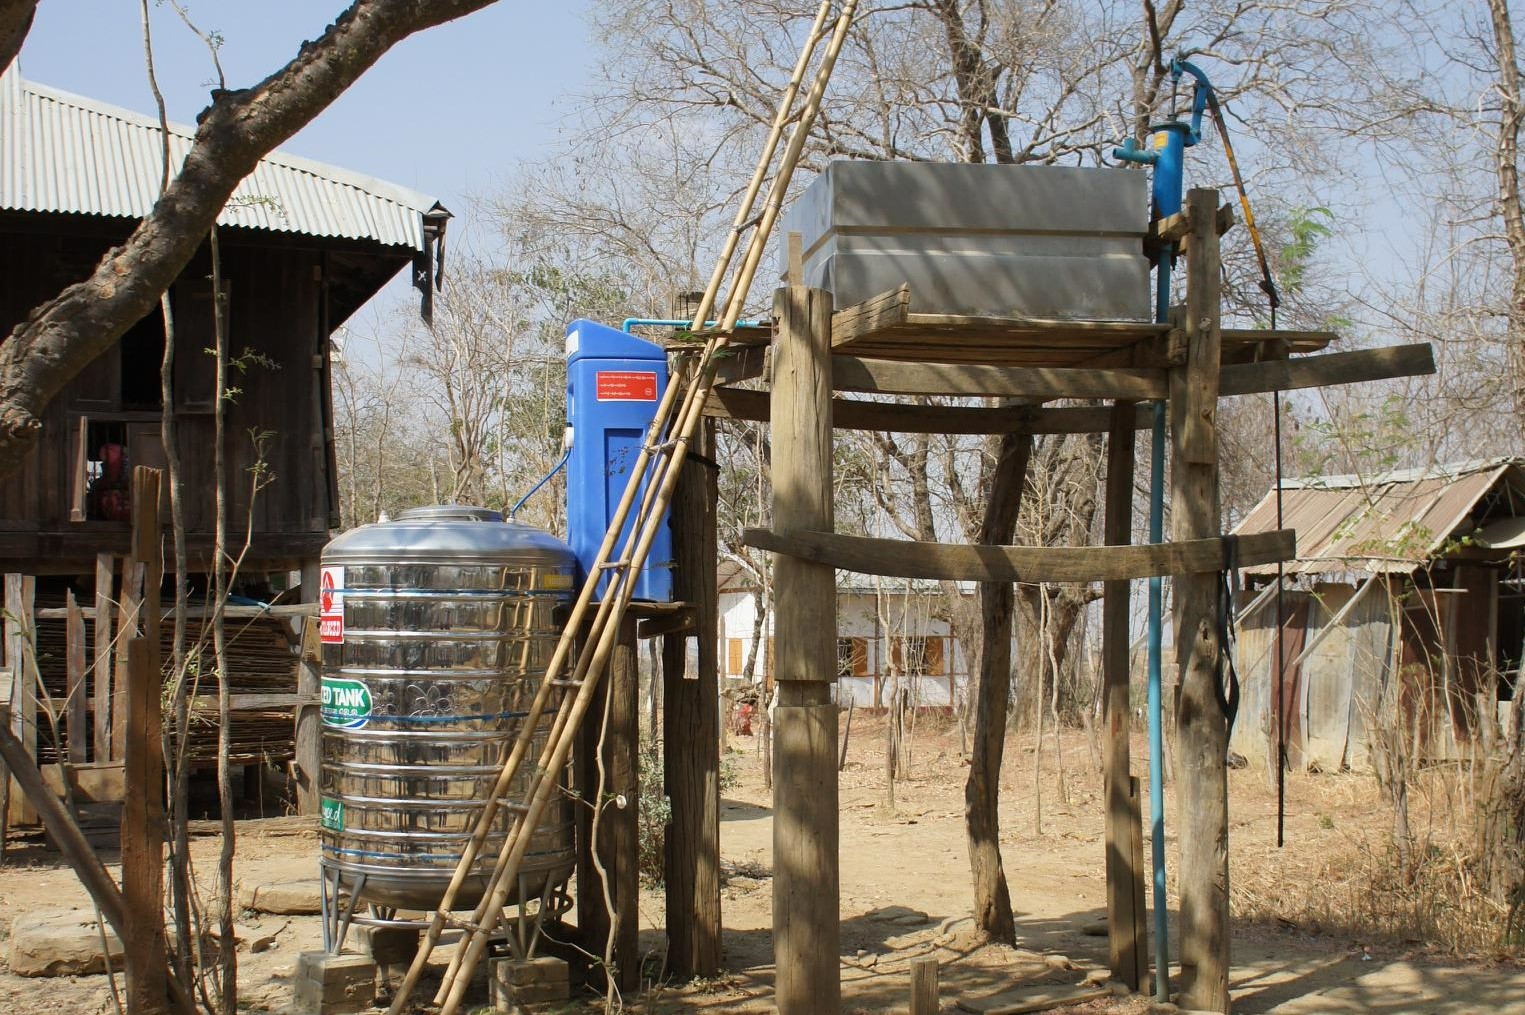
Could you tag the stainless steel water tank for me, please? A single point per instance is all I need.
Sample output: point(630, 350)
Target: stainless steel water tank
point(437, 628)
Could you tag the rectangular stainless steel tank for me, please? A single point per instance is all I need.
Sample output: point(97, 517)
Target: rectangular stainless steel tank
point(1024, 241)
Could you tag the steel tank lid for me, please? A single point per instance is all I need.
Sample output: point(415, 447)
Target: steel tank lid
point(447, 532)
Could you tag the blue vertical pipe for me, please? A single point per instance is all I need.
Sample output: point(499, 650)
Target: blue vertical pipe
point(1167, 156)
point(1170, 142)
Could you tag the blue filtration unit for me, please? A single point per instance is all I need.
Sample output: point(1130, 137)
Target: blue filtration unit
point(614, 383)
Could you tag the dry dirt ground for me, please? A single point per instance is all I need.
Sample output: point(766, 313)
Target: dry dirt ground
point(912, 855)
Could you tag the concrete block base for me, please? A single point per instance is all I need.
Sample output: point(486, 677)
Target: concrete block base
point(391, 948)
point(334, 984)
point(528, 986)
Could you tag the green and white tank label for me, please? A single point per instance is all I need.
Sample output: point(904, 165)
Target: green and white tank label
point(346, 703)
point(331, 814)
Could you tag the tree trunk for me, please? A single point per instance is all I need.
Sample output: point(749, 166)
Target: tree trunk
point(1507, 151)
point(15, 22)
point(992, 691)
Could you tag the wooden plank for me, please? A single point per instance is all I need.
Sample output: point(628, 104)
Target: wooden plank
point(1032, 999)
point(127, 629)
point(902, 417)
point(101, 663)
point(91, 783)
point(1127, 940)
point(744, 363)
point(806, 836)
point(21, 663)
point(891, 377)
point(77, 704)
point(78, 481)
point(925, 999)
point(691, 728)
point(991, 563)
point(143, 836)
point(1355, 367)
point(255, 701)
point(873, 315)
point(1201, 727)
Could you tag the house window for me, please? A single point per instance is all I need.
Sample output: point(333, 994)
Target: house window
point(852, 657)
point(920, 656)
point(142, 352)
point(733, 656)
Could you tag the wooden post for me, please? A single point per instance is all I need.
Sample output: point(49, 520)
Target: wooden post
point(806, 885)
point(126, 630)
point(925, 999)
point(21, 664)
point(101, 626)
point(143, 836)
point(1127, 927)
point(148, 550)
point(1201, 727)
point(618, 830)
point(76, 705)
point(691, 730)
point(309, 733)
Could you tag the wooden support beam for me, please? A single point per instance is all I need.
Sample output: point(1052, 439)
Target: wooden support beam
point(903, 417)
point(309, 730)
point(925, 999)
point(681, 622)
point(21, 666)
point(741, 363)
point(691, 728)
point(101, 663)
point(1127, 927)
point(617, 826)
point(893, 377)
point(1201, 727)
point(76, 702)
point(143, 835)
point(989, 563)
point(1327, 369)
point(806, 877)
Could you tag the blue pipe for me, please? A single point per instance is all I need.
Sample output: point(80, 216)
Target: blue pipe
point(543, 480)
point(672, 322)
point(1167, 157)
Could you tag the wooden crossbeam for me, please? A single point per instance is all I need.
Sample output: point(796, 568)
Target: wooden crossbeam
point(1327, 369)
point(892, 377)
point(959, 562)
point(900, 417)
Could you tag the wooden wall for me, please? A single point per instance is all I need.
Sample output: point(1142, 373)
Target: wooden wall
point(278, 310)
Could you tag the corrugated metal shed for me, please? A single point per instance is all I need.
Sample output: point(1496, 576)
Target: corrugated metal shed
point(67, 154)
point(1388, 523)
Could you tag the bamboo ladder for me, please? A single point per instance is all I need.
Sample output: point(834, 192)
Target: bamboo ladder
point(656, 470)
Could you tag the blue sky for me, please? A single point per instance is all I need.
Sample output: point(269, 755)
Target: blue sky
point(448, 111)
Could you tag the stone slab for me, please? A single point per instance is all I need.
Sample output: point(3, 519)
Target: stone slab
point(60, 942)
point(283, 898)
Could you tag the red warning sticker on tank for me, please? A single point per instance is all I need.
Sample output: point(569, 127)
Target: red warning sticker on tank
point(331, 606)
point(625, 386)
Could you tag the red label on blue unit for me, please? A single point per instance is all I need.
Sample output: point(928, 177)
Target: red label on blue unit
point(625, 386)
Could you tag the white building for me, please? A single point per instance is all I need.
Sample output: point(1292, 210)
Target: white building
point(888, 638)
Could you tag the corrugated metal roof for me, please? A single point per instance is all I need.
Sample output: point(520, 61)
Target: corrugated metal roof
point(1385, 523)
point(68, 154)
